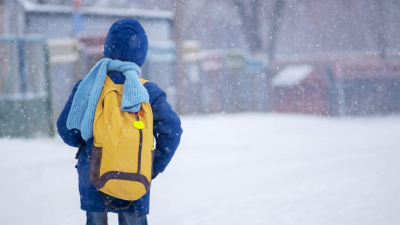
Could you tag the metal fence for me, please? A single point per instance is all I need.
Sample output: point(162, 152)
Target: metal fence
point(25, 96)
point(36, 78)
point(224, 81)
point(160, 68)
point(65, 69)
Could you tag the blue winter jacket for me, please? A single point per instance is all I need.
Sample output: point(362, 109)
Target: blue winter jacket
point(167, 126)
point(167, 132)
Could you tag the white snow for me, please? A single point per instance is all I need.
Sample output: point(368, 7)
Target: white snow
point(292, 75)
point(231, 169)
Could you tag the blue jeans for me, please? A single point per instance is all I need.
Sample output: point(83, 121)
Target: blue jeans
point(96, 218)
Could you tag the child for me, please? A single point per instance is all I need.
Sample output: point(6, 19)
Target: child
point(127, 42)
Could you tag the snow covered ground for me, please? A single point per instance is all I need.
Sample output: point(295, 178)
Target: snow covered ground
point(232, 169)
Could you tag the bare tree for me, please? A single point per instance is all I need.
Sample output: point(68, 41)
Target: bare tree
point(1, 16)
point(249, 13)
point(375, 29)
point(276, 21)
point(179, 6)
point(381, 40)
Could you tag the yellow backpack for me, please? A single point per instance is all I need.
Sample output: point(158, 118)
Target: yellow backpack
point(121, 159)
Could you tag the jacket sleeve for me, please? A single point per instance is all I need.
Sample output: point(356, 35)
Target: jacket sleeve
point(166, 128)
point(70, 137)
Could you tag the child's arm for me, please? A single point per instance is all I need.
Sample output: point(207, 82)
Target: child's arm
point(71, 137)
point(167, 128)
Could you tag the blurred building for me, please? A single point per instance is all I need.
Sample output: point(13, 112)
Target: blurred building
point(23, 17)
point(368, 87)
point(47, 48)
point(299, 89)
point(56, 21)
point(340, 84)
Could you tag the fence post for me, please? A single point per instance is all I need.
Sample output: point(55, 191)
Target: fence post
point(49, 87)
point(21, 64)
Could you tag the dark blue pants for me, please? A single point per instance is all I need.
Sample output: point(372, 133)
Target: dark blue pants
point(96, 218)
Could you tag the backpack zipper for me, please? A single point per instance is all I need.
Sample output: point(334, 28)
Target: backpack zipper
point(140, 143)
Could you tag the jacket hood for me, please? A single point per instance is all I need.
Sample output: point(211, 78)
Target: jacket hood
point(126, 41)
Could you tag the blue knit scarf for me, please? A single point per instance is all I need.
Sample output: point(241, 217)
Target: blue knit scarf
point(81, 115)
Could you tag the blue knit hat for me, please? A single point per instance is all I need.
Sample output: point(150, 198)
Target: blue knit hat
point(126, 41)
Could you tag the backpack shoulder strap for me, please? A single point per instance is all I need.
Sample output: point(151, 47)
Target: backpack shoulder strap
point(143, 81)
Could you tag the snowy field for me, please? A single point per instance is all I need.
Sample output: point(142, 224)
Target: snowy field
point(231, 169)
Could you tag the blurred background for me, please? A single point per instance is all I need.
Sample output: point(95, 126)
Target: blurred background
point(329, 57)
point(313, 84)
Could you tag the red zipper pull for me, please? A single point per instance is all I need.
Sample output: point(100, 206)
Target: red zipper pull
point(138, 124)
